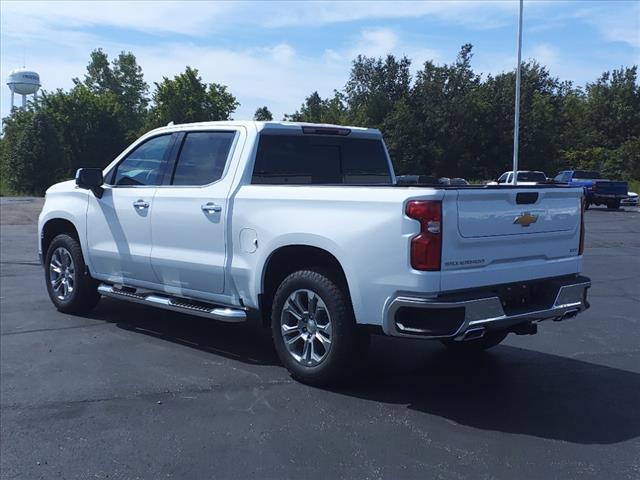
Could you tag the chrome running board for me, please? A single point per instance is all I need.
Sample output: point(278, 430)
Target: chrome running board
point(183, 305)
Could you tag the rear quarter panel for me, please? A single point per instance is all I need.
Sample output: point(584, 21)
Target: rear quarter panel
point(364, 228)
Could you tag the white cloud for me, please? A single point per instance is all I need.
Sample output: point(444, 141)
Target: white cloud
point(615, 24)
point(281, 79)
point(283, 53)
point(374, 43)
point(545, 54)
point(479, 14)
point(379, 42)
point(198, 18)
point(25, 19)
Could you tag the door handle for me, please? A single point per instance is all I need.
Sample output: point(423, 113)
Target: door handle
point(211, 207)
point(140, 204)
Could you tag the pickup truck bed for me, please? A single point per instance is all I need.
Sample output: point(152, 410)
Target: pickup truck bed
point(305, 228)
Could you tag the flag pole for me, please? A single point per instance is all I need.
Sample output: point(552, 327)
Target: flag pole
point(516, 126)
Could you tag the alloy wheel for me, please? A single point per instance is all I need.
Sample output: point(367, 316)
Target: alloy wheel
point(305, 325)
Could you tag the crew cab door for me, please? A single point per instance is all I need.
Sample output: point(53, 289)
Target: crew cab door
point(189, 219)
point(119, 223)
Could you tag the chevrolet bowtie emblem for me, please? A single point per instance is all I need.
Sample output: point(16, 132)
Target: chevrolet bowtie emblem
point(525, 219)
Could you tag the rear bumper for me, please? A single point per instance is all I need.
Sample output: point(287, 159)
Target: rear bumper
point(455, 315)
point(609, 196)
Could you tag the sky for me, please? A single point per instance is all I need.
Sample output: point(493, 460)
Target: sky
point(277, 53)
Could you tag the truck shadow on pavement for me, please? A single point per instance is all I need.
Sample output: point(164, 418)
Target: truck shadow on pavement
point(242, 342)
point(507, 389)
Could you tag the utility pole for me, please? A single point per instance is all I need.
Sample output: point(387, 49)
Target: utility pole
point(516, 126)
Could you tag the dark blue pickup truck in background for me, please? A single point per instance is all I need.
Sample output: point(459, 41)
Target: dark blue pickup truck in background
point(597, 191)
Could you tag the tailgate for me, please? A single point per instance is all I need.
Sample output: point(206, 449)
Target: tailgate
point(608, 187)
point(509, 234)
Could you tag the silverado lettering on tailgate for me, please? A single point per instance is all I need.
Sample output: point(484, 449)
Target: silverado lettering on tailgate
point(465, 263)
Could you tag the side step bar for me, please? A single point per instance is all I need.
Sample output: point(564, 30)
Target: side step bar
point(224, 314)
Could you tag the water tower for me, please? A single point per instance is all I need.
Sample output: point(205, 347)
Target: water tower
point(23, 82)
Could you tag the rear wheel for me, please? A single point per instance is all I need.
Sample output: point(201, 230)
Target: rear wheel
point(70, 288)
point(314, 330)
point(613, 204)
point(489, 340)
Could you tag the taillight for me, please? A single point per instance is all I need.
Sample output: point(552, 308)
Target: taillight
point(584, 208)
point(426, 247)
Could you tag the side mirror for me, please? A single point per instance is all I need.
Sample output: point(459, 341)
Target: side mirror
point(90, 179)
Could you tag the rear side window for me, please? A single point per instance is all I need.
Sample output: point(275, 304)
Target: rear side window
point(320, 160)
point(202, 158)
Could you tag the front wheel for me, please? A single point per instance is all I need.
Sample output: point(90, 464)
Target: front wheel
point(489, 340)
point(70, 287)
point(314, 330)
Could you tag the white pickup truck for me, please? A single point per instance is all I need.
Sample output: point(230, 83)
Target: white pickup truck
point(304, 228)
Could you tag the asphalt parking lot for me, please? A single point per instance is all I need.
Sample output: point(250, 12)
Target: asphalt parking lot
point(132, 392)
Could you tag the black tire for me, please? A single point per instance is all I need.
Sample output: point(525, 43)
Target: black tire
point(587, 205)
point(613, 204)
point(83, 296)
point(347, 344)
point(489, 340)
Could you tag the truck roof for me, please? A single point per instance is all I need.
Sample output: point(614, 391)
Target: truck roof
point(271, 126)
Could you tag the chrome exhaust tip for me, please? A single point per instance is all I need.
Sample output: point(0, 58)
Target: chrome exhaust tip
point(472, 334)
point(571, 313)
point(567, 315)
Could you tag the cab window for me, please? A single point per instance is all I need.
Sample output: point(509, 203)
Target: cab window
point(202, 158)
point(563, 177)
point(145, 165)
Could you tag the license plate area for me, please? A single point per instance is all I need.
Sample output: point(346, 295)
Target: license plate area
point(527, 297)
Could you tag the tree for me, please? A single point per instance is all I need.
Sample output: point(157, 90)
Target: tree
point(186, 98)
point(263, 115)
point(124, 79)
point(444, 108)
point(613, 107)
point(99, 77)
point(90, 125)
point(14, 126)
point(374, 86)
point(36, 157)
point(315, 109)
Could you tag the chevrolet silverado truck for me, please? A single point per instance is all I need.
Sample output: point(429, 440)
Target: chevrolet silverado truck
point(303, 227)
point(597, 191)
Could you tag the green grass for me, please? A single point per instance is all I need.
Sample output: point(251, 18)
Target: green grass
point(4, 188)
point(634, 186)
point(6, 191)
